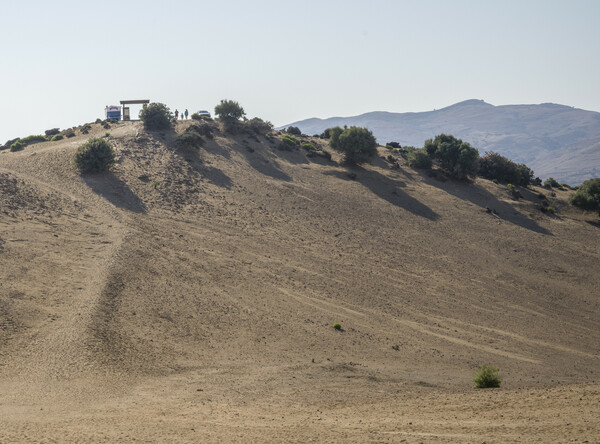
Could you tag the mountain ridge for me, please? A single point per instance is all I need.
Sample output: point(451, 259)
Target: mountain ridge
point(553, 139)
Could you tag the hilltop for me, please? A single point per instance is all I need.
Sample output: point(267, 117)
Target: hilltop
point(555, 140)
point(189, 295)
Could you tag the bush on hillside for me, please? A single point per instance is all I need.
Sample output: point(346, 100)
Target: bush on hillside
point(419, 159)
point(325, 134)
point(290, 141)
point(17, 146)
point(587, 195)
point(493, 166)
point(358, 145)
point(459, 158)
point(30, 140)
point(94, 156)
point(309, 146)
point(487, 377)
point(69, 133)
point(56, 137)
point(551, 183)
point(52, 132)
point(229, 110)
point(259, 126)
point(190, 138)
point(393, 145)
point(334, 136)
point(156, 116)
point(293, 130)
point(513, 191)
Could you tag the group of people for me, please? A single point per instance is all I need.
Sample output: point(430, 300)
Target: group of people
point(183, 115)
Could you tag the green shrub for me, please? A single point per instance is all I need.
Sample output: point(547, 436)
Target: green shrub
point(587, 195)
point(293, 130)
point(337, 326)
point(551, 183)
point(259, 126)
point(290, 140)
point(392, 145)
point(52, 132)
point(325, 134)
point(357, 144)
point(94, 156)
point(334, 136)
point(228, 110)
point(493, 166)
point(17, 146)
point(309, 146)
point(56, 137)
point(419, 159)
point(457, 157)
point(513, 191)
point(487, 377)
point(156, 116)
point(190, 138)
point(30, 140)
point(69, 133)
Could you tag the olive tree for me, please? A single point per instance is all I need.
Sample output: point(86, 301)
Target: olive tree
point(455, 156)
point(357, 144)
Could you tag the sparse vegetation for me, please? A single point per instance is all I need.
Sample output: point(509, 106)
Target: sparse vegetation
point(290, 141)
point(30, 140)
point(190, 138)
point(551, 183)
point(156, 116)
point(52, 132)
point(337, 326)
point(357, 144)
point(587, 196)
point(309, 146)
point(455, 156)
point(69, 133)
point(293, 130)
point(487, 377)
point(94, 156)
point(419, 159)
point(259, 126)
point(513, 191)
point(57, 137)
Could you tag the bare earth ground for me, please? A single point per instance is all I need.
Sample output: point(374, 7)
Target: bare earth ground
point(189, 296)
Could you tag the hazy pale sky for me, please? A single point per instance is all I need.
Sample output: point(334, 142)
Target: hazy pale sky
point(63, 61)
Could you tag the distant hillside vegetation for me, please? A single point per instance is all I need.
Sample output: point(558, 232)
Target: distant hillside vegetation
point(554, 140)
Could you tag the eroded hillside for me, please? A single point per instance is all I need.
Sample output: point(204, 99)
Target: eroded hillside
point(194, 291)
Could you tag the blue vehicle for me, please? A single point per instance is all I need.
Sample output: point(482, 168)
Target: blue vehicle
point(113, 112)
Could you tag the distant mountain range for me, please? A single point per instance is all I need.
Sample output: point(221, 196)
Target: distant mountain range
point(554, 140)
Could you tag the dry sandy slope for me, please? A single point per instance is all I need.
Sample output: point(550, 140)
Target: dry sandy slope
point(190, 296)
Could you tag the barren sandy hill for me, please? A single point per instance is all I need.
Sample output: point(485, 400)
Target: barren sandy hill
point(189, 296)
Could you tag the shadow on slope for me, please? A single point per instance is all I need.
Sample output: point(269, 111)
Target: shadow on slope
point(264, 162)
point(484, 199)
point(387, 189)
point(115, 191)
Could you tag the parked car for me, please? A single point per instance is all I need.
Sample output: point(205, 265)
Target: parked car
point(204, 113)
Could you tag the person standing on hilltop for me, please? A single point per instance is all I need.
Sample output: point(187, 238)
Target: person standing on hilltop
point(186, 113)
point(176, 114)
